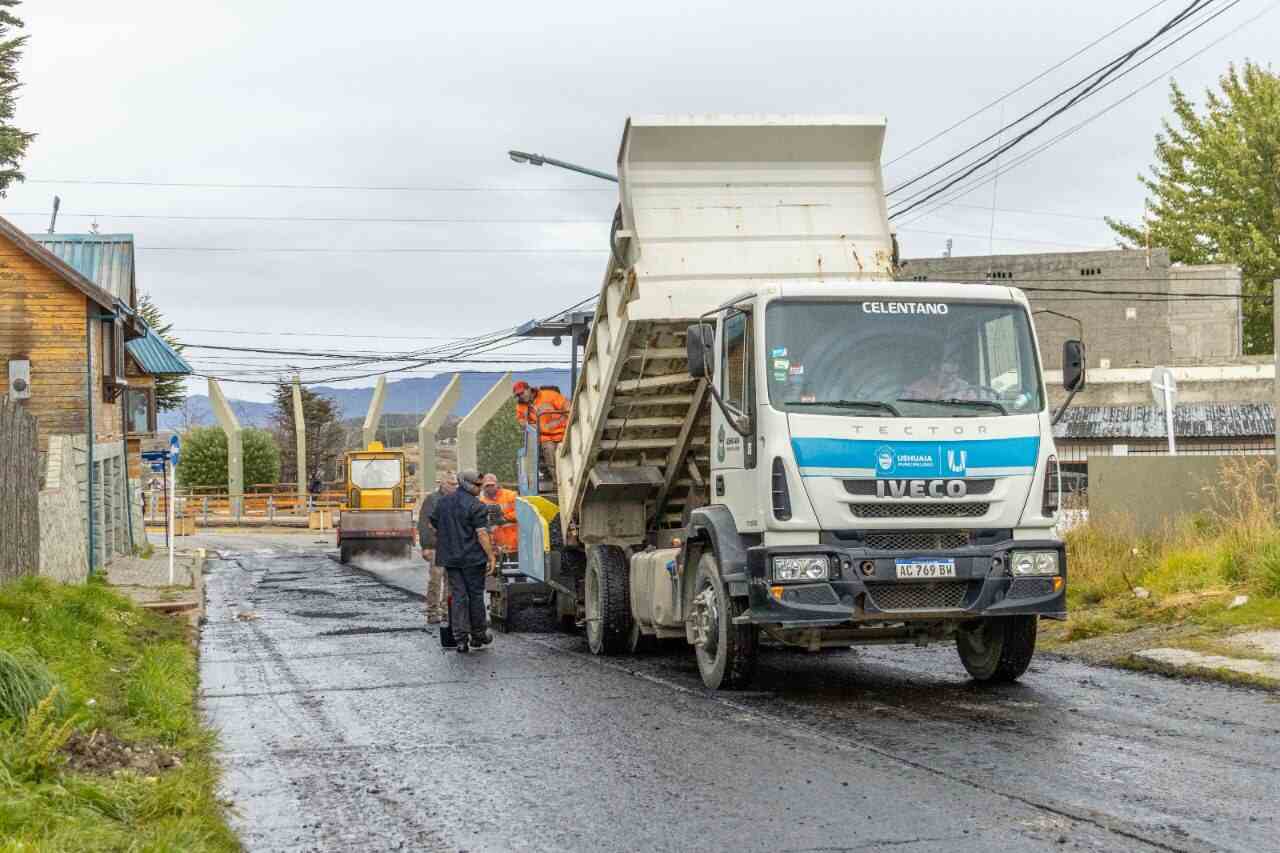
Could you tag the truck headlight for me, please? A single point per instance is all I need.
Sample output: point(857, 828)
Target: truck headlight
point(1034, 563)
point(809, 567)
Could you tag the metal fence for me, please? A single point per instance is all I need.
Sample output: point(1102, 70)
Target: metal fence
point(218, 508)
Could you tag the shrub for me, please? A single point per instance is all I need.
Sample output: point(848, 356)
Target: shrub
point(24, 682)
point(203, 463)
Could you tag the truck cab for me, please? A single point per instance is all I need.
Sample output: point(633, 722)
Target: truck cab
point(883, 462)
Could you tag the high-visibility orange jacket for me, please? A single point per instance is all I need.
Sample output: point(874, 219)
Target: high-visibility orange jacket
point(549, 413)
point(506, 535)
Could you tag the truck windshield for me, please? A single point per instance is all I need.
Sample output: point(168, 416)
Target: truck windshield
point(892, 358)
point(375, 473)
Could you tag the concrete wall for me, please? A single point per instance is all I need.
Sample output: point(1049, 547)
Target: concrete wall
point(1120, 330)
point(1153, 492)
point(1205, 329)
point(63, 550)
point(1243, 379)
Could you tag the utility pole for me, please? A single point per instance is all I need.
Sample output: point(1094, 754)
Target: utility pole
point(1275, 382)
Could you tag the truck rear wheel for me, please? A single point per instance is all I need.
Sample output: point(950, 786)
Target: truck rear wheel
point(998, 650)
point(726, 652)
point(344, 553)
point(608, 600)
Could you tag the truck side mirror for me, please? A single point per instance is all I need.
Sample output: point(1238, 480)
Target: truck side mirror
point(700, 344)
point(1073, 371)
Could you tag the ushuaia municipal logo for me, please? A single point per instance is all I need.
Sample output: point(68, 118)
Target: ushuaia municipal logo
point(884, 458)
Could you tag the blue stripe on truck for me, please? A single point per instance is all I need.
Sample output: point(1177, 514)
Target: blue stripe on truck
point(908, 459)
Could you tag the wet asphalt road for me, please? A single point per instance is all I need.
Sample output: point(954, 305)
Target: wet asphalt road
point(344, 726)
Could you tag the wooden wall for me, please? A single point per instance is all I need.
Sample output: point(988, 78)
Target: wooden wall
point(42, 319)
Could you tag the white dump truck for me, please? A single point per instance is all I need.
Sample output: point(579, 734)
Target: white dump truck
point(772, 441)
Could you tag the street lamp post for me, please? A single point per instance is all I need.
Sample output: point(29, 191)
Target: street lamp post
point(540, 160)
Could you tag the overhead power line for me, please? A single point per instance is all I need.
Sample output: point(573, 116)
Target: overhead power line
point(1007, 95)
point(1025, 157)
point(342, 187)
point(1082, 89)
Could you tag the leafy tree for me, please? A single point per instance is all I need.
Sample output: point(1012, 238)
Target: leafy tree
point(326, 437)
point(203, 463)
point(1214, 191)
point(13, 142)
point(171, 391)
point(498, 442)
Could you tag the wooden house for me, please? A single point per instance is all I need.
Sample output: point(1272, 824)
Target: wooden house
point(78, 359)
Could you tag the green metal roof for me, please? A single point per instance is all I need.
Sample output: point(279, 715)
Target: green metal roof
point(155, 356)
point(104, 259)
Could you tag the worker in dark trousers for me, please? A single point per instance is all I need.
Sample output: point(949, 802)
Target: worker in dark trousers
point(463, 547)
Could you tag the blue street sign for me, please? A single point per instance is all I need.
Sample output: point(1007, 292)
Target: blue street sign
point(155, 455)
point(175, 445)
point(157, 467)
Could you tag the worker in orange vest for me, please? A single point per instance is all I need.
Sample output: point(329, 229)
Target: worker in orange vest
point(502, 517)
point(546, 409)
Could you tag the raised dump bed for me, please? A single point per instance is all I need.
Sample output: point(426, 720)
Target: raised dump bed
point(710, 206)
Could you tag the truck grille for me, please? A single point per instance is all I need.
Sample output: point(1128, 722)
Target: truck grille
point(915, 540)
point(914, 510)
point(938, 595)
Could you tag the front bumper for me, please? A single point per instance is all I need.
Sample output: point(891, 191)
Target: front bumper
point(864, 587)
point(376, 533)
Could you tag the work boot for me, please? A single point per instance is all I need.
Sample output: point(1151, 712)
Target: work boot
point(481, 640)
point(434, 619)
point(463, 645)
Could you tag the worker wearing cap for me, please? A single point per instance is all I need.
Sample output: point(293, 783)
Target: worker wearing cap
point(502, 515)
point(461, 525)
point(547, 410)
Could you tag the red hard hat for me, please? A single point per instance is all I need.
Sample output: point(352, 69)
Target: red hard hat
point(520, 387)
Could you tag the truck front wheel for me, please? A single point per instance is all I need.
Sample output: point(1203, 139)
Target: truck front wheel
point(997, 650)
point(726, 652)
point(608, 600)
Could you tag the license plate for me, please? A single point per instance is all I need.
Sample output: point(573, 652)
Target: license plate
point(926, 568)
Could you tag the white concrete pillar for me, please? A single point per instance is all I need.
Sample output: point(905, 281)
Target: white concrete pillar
point(375, 411)
point(235, 454)
point(300, 433)
point(427, 430)
point(481, 414)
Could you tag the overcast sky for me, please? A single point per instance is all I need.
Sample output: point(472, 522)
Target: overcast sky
point(431, 95)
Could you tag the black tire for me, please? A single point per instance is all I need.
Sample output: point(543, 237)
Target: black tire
point(608, 600)
point(998, 650)
point(727, 660)
point(344, 553)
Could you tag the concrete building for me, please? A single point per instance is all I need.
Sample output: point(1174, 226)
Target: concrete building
point(1126, 301)
point(1135, 310)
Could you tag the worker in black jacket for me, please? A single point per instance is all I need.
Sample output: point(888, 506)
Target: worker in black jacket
point(436, 609)
point(460, 523)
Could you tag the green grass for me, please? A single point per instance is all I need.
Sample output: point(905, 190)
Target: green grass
point(103, 666)
point(1192, 571)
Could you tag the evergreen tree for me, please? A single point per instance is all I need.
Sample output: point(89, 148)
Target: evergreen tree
point(326, 438)
point(13, 142)
point(1214, 191)
point(171, 391)
point(203, 463)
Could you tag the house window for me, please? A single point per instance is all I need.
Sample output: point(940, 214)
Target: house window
point(140, 410)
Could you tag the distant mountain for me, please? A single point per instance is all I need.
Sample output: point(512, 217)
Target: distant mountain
point(404, 397)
